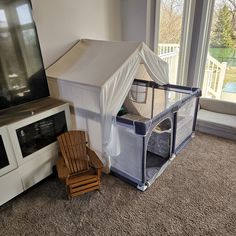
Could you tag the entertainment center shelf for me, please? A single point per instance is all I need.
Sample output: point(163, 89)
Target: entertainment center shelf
point(28, 146)
point(26, 110)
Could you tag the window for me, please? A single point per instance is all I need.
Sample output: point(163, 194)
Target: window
point(3, 19)
point(24, 15)
point(138, 93)
point(173, 36)
point(220, 71)
point(170, 28)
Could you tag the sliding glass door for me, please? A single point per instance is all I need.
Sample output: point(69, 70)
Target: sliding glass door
point(220, 71)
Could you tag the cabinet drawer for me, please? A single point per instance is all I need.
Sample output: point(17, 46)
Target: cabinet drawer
point(10, 185)
point(7, 157)
point(38, 168)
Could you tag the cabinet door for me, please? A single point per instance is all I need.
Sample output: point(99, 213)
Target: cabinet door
point(41, 133)
point(38, 133)
point(7, 158)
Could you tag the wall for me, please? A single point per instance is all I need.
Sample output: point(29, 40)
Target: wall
point(138, 21)
point(60, 23)
point(134, 19)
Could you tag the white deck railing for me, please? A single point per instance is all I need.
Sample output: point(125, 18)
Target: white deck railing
point(172, 59)
point(164, 48)
point(214, 70)
point(213, 78)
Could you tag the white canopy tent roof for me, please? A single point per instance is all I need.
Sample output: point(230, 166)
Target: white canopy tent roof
point(96, 77)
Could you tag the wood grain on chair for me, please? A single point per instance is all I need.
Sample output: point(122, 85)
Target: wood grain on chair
point(78, 166)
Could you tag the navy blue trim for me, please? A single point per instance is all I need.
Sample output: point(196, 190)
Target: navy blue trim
point(124, 120)
point(148, 83)
point(174, 132)
point(123, 178)
point(177, 88)
point(127, 178)
point(141, 127)
point(144, 83)
point(144, 154)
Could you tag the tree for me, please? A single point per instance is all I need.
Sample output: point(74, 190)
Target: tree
point(222, 34)
point(170, 21)
point(232, 6)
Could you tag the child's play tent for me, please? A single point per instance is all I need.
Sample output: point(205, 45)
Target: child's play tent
point(96, 77)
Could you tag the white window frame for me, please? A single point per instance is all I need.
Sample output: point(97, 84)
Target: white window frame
point(188, 40)
point(186, 37)
point(203, 43)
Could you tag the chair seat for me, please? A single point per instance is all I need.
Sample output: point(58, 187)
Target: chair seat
point(86, 176)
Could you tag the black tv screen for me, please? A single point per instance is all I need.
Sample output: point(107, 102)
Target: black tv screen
point(22, 75)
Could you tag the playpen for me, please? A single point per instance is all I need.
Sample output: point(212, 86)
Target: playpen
point(153, 125)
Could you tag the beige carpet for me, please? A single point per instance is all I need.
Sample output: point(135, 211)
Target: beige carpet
point(196, 195)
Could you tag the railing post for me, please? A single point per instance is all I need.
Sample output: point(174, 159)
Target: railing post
point(207, 77)
point(221, 80)
point(205, 84)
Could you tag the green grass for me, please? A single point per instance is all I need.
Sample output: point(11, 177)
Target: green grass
point(224, 55)
point(230, 75)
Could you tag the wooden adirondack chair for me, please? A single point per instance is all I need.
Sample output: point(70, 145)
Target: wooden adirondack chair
point(78, 166)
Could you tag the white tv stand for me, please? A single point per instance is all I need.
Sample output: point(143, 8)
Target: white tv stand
point(28, 144)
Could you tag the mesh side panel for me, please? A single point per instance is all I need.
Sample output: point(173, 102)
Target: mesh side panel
point(129, 159)
point(185, 117)
point(160, 139)
point(163, 99)
point(159, 144)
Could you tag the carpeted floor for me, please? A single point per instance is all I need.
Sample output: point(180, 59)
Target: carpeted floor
point(196, 195)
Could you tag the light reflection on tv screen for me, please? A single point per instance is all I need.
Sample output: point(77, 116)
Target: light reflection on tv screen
point(22, 76)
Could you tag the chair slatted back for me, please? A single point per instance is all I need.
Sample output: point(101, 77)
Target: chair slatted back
point(73, 150)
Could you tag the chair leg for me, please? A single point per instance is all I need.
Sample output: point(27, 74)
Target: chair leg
point(68, 193)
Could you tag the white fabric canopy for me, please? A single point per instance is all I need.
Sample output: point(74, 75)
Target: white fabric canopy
point(96, 76)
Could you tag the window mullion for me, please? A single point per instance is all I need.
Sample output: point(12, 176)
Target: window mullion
point(202, 47)
point(157, 25)
point(186, 41)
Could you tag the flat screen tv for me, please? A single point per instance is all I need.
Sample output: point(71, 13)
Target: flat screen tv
point(22, 75)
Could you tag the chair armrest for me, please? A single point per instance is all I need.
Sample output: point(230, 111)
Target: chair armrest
point(94, 159)
point(62, 170)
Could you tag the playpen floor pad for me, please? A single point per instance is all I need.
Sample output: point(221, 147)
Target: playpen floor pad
point(153, 164)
